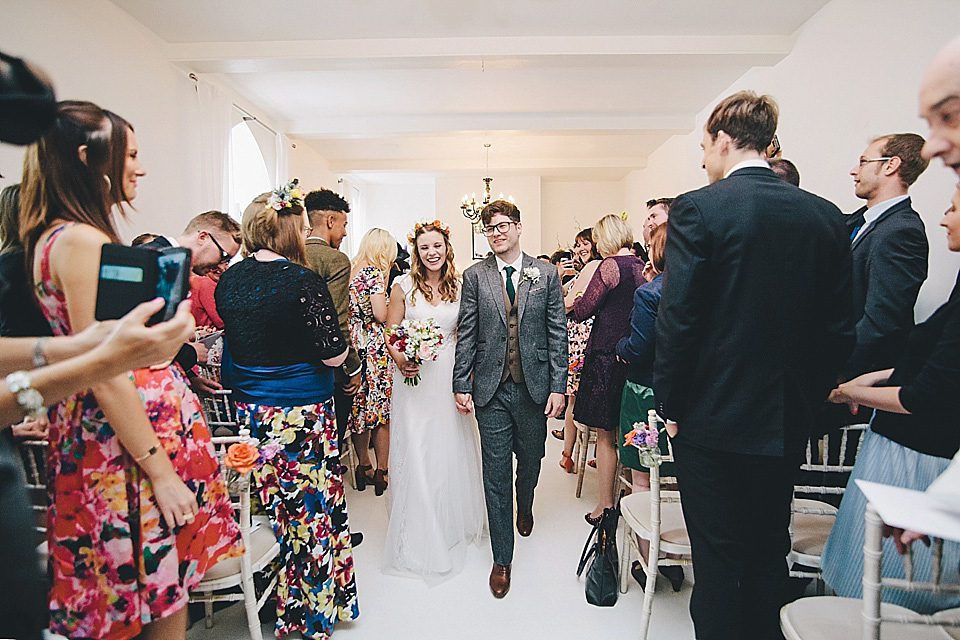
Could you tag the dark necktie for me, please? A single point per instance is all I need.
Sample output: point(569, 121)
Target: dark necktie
point(511, 292)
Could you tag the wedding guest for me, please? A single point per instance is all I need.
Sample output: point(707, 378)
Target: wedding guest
point(19, 314)
point(608, 299)
point(912, 437)
point(202, 289)
point(785, 170)
point(283, 343)
point(890, 249)
point(135, 489)
point(940, 104)
point(327, 212)
point(753, 326)
point(637, 351)
point(588, 260)
point(368, 312)
point(657, 211)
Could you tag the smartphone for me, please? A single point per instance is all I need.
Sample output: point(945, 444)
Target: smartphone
point(131, 275)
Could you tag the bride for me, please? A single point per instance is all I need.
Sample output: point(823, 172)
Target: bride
point(436, 500)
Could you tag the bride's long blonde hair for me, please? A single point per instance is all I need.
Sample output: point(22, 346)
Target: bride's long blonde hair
point(449, 286)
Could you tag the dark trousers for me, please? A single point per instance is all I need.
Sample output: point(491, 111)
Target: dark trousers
point(510, 424)
point(342, 405)
point(22, 589)
point(737, 511)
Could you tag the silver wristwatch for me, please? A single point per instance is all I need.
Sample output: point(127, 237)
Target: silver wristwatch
point(29, 399)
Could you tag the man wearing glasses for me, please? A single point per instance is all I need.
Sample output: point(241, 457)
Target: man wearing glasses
point(213, 238)
point(511, 368)
point(889, 250)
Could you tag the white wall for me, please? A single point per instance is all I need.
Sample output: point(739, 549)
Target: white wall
point(569, 207)
point(396, 207)
point(853, 74)
point(94, 51)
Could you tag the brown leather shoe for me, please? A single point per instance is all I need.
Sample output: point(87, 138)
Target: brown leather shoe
point(524, 524)
point(499, 580)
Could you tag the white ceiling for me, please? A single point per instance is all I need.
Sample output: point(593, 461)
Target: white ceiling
point(560, 88)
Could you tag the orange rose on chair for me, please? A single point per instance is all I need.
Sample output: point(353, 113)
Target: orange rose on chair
point(242, 457)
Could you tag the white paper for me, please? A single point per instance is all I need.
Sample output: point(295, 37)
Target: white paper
point(914, 510)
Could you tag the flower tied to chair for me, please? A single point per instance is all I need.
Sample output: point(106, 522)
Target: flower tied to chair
point(244, 456)
point(286, 197)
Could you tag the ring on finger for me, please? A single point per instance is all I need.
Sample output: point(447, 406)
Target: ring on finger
point(188, 517)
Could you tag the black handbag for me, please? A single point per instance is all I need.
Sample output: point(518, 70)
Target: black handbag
point(600, 552)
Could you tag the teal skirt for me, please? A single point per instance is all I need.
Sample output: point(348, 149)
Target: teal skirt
point(635, 402)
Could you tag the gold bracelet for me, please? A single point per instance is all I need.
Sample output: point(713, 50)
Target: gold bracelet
point(152, 450)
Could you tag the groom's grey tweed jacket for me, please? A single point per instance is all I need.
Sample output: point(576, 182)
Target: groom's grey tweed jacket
point(482, 332)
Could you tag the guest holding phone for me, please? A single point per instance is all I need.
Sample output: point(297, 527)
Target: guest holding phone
point(135, 489)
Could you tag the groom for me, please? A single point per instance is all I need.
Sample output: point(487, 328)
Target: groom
point(512, 366)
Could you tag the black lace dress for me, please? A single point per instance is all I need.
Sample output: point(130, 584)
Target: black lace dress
point(280, 322)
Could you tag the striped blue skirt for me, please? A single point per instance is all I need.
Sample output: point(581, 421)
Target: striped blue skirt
point(883, 460)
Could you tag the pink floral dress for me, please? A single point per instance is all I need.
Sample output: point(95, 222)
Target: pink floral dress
point(115, 563)
point(371, 403)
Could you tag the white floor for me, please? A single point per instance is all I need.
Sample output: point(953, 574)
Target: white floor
point(546, 598)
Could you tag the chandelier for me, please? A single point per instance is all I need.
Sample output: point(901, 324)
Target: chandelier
point(469, 205)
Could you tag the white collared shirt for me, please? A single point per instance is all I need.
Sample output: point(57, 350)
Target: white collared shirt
point(870, 215)
point(516, 273)
point(756, 162)
point(173, 241)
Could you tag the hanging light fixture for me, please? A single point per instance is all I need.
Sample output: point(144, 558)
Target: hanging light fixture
point(469, 205)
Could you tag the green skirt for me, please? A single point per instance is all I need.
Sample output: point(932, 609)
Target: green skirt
point(636, 401)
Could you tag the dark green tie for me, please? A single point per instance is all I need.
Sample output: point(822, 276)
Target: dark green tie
point(511, 292)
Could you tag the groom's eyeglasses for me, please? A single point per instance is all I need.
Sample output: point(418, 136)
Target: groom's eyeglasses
point(494, 229)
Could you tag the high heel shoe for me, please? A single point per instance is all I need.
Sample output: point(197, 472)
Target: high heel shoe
point(379, 481)
point(567, 462)
point(592, 521)
point(361, 476)
point(674, 574)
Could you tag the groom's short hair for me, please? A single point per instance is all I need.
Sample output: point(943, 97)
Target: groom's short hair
point(499, 207)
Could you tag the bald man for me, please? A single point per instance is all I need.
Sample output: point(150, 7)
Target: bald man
point(940, 106)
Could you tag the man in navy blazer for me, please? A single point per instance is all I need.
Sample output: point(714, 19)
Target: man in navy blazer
point(753, 327)
point(890, 251)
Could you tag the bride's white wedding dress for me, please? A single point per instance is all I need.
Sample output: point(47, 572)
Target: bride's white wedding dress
point(435, 501)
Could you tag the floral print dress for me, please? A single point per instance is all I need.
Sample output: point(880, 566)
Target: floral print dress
point(371, 403)
point(115, 563)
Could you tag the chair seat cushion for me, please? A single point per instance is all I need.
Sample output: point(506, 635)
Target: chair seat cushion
point(262, 542)
point(830, 617)
point(810, 530)
point(636, 511)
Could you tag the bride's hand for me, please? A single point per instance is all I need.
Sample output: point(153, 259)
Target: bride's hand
point(407, 369)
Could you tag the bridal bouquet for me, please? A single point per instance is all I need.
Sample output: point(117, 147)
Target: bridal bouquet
point(647, 441)
point(418, 340)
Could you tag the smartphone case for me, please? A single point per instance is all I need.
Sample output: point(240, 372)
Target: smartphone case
point(131, 275)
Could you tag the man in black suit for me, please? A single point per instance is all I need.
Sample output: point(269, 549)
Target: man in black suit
point(890, 251)
point(753, 327)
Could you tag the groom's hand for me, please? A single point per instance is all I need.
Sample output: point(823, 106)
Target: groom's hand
point(555, 405)
point(464, 402)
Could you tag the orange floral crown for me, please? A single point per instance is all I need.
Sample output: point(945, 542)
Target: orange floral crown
point(420, 224)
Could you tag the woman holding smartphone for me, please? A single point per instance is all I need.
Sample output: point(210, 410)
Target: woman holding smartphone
point(138, 507)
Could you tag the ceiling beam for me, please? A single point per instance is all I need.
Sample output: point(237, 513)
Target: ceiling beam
point(469, 123)
point(254, 57)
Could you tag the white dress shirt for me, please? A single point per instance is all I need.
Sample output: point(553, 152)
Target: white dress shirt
point(870, 215)
point(516, 273)
point(756, 162)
